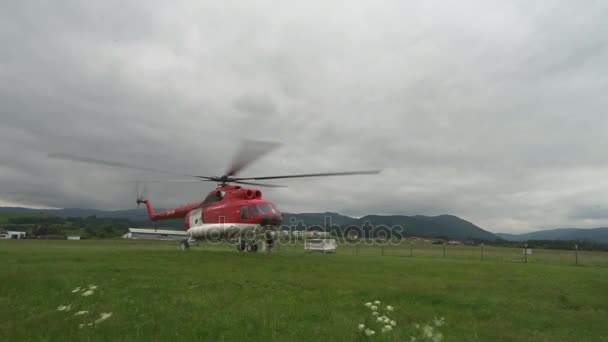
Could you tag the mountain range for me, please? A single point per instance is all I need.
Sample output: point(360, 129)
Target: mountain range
point(446, 226)
point(598, 235)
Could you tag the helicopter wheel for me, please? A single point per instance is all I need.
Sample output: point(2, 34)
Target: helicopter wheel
point(184, 245)
point(241, 246)
point(253, 247)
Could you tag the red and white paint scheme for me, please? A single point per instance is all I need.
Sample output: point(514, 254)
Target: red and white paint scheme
point(229, 213)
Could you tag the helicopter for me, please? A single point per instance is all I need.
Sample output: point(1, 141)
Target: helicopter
point(231, 212)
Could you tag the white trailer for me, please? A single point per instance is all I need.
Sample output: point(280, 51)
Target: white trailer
point(320, 245)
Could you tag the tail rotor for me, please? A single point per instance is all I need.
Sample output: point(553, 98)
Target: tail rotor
point(141, 192)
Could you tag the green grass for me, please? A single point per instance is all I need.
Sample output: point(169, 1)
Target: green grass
point(158, 293)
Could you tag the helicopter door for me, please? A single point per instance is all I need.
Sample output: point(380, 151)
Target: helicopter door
point(196, 217)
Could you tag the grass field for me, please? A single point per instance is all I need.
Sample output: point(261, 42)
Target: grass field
point(158, 293)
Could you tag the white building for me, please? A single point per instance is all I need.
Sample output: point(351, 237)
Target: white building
point(12, 235)
point(73, 237)
point(155, 234)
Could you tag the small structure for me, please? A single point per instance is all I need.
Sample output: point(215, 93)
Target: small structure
point(73, 237)
point(155, 234)
point(320, 245)
point(13, 235)
point(314, 234)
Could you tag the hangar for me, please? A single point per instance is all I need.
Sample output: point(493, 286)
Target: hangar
point(155, 234)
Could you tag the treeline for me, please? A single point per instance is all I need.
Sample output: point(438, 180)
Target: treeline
point(48, 220)
point(90, 227)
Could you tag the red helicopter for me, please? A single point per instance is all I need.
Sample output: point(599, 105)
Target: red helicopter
point(230, 212)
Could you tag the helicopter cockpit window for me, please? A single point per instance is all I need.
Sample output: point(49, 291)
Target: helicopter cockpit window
point(264, 209)
point(214, 197)
point(253, 211)
point(244, 212)
point(274, 209)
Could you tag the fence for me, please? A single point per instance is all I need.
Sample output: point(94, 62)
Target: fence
point(471, 252)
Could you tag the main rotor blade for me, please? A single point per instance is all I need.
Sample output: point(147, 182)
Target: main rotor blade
point(170, 180)
point(206, 180)
point(327, 174)
point(250, 151)
point(261, 184)
point(87, 160)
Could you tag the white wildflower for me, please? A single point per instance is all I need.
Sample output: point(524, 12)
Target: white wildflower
point(439, 321)
point(90, 324)
point(379, 319)
point(377, 302)
point(76, 289)
point(103, 317)
point(416, 325)
point(389, 308)
point(80, 313)
point(361, 327)
point(427, 331)
point(373, 307)
point(437, 337)
point(375, 313)
point(386, 320)
point(387, 328)
point(369, 332)
point(88, 293)
point(64, 308)
point(393, 323)
point(368, 304)
point(80, 325)
point(92, 287)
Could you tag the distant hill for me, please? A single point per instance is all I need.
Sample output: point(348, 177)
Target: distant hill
point(317, 219)
point(136, 215)
point(598, 235)
point(447, 226)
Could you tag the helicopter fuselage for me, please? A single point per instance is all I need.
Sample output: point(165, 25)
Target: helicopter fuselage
point(227, 213)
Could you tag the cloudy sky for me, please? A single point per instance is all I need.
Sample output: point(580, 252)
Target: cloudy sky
point(495, 111)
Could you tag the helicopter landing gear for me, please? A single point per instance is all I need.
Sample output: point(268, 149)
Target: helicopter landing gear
point(184, 245)
point(252, 247)
point(249, 247)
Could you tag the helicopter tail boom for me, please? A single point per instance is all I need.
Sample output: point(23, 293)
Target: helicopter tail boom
point(175, 213)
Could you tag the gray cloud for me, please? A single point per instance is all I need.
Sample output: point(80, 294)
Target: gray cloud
point(489, 110)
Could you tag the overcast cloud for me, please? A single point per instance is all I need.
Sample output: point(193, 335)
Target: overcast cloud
point(494, 111)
